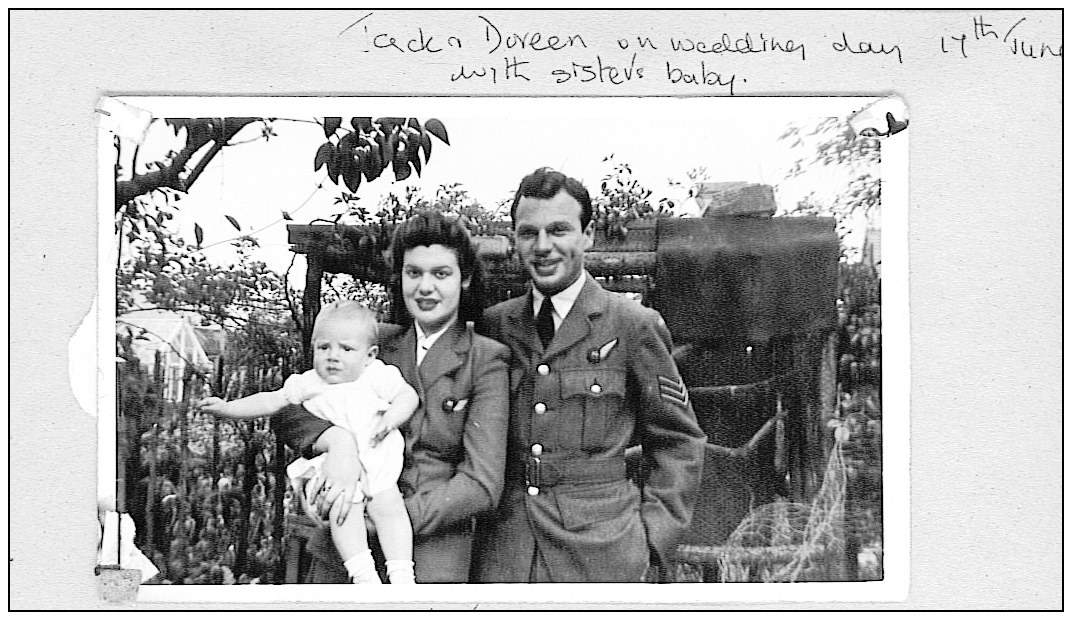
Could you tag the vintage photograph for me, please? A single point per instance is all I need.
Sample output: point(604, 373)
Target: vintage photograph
point(497, 340)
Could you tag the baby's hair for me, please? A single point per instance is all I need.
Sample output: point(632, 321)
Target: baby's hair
point(352, 313)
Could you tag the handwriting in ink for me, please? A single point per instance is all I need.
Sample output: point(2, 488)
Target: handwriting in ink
point(1025, 49)
point(419, 43)
point(1028, 50)
point(642, 42)
point(534, 41)
point(511, 70)
point(962, 39)
point(866, 47)
point(384, 40)
point(705, 77)
point(742, 45)
point(363, 18)
point(986, 33)
point(604, 73)
point(982, 29)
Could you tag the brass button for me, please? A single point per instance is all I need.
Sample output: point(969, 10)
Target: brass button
point(543, 369)
point(534, 491)
point(540, 408)
point(537, 449)
point(596, 388)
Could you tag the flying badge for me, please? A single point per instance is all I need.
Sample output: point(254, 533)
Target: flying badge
point(451, 405)
point(673, 390)
point(598, 355)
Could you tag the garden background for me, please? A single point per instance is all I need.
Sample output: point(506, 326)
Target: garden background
point(209, 295)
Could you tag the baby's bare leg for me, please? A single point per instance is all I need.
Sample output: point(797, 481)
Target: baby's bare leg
point(351, 540)
point(388, 512)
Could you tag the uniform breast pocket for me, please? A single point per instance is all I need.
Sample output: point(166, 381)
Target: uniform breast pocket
point(446, 413)
point(598, 393)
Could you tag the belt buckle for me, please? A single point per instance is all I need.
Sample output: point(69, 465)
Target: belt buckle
point(532, 475)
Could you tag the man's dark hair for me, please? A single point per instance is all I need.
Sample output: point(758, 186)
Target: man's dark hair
point(432, 228)
point(545, 184)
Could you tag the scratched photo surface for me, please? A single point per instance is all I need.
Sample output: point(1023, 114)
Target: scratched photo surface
point(752, 226)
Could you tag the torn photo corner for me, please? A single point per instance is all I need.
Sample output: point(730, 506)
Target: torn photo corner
point(770, 233)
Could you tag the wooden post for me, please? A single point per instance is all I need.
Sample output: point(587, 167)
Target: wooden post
point(278, 490)
point(218, 391)
point(157, 386)
point(184, 437)
point(122, 451)
point(795, 441)
point(150, 496)
point(248, 480)
point(314, 274)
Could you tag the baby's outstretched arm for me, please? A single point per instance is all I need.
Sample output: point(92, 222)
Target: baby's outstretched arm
point(402, 407)
point(254, 406)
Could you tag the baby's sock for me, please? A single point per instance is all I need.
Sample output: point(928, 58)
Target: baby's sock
point(400, 571)
point(361, 568)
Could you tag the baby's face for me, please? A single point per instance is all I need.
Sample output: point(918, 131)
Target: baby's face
point(341, 352)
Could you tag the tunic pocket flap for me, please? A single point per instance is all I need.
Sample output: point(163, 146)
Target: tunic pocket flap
point(592, 382)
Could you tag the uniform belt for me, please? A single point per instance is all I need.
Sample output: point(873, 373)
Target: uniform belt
point(550, 470)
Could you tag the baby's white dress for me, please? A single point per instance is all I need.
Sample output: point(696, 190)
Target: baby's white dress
point(354, 406)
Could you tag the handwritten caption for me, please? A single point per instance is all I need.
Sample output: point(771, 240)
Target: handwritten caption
point(695, 61)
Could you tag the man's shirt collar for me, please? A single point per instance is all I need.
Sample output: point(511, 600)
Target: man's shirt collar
point(562, 301)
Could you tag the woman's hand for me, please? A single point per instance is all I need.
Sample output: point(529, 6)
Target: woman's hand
point(381, 430)
point(342, 477)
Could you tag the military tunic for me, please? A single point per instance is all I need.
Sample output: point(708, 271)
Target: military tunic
point(607, 381)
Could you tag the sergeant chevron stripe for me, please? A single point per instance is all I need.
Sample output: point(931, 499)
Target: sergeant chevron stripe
point(673, 390)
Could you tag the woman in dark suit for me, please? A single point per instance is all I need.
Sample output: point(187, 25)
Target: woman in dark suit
point(456, 440)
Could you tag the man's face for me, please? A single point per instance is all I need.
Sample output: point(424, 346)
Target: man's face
point(550, 240)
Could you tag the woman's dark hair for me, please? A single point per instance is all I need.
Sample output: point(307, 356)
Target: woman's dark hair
point(433, 228)
point(545, 184)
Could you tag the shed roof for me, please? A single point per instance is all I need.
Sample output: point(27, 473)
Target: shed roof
point(165, 331)
point(212, 338)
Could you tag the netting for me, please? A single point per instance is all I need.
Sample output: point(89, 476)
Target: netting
point(790, 541)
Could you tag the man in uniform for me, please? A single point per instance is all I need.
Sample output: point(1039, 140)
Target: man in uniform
point(591, 375)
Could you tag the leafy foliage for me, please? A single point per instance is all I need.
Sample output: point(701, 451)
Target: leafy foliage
point(368, 147)
point(860, 328)
point(833, 155)
point(623, 199)
point(344, 286)
point(452, 200)
point(165, 273)
point(204, 492)
point(860, 409)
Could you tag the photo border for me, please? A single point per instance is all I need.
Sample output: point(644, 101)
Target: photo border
point(896, 385)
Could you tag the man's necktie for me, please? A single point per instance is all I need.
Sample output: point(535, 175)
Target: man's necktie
point(545, 324)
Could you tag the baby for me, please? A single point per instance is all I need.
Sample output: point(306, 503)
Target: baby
point(352, 389)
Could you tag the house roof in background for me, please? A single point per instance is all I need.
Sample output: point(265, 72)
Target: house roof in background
point(212, 338)
point(162, 330)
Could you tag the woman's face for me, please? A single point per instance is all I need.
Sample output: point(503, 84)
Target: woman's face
point(432, 285)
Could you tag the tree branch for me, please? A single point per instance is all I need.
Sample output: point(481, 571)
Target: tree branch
point(294, 314)
point(200, 167)
point(210, 314)
point(199, 133)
